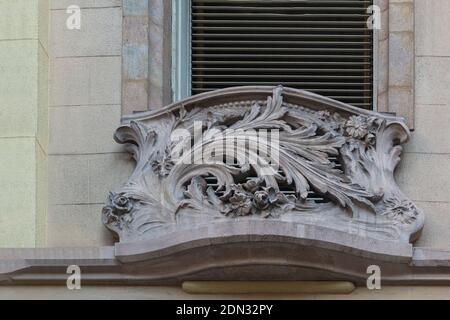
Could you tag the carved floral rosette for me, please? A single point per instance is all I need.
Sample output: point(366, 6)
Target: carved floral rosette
point(344, 155)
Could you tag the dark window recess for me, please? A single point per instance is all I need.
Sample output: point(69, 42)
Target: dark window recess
point(323, 46)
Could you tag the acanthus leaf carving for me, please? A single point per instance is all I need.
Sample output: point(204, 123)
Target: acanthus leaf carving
point(341, 154)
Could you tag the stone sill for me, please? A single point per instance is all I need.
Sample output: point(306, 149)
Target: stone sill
point(237, 254)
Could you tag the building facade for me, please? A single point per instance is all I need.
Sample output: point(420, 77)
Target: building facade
point(65, 90)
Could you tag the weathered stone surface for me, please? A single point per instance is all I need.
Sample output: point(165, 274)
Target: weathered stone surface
point(422, 178)
point(135, 61)
point(84, 129)
point(401, 59)
point(401, 17)
point(85, 81)
point(435, 234)
point(76, 226)
point(135, 97)
point(432, 132)
point(432, 25)
point(100, 34)
point(432, 80)
point(243, 253)
point(401, 102)
point(135, 7)
point(82, 179)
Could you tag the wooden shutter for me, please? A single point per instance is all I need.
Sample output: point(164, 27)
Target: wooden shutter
point(323, 46)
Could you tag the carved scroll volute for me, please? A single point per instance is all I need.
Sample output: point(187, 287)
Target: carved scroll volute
point(323, 148)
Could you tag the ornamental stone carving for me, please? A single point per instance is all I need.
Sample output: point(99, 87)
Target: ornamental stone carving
point(263, 154)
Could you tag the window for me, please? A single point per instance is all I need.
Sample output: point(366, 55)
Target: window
point(323, 46)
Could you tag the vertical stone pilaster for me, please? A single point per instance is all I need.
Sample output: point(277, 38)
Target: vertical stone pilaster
point(23, 122)
point(135, 55)
point(146, 55)
point(401, 59)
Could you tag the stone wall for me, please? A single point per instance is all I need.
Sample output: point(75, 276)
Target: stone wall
point(23, 122)
point(85, 109)
point(173, 293)
point(425, 171)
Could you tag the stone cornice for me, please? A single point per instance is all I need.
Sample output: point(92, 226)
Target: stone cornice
point(218, 253)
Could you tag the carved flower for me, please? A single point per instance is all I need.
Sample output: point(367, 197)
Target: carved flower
point(122, 204)
point(357, 127)
point(116, 212)
point(261, 200)
point(241, 204)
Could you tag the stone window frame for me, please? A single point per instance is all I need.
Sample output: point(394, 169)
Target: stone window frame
point(394, 63)
point(148, 52)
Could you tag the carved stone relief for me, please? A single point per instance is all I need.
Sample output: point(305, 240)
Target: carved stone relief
point(330, 165)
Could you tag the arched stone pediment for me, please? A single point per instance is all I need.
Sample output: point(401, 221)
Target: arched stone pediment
point(325, 166)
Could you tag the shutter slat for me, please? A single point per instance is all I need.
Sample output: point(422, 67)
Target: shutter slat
point(278, 70)
point(319, 45)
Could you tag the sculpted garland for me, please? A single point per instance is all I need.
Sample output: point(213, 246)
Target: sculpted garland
point(166, 192)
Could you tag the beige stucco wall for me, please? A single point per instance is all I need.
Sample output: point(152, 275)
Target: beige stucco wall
point(23, 121)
